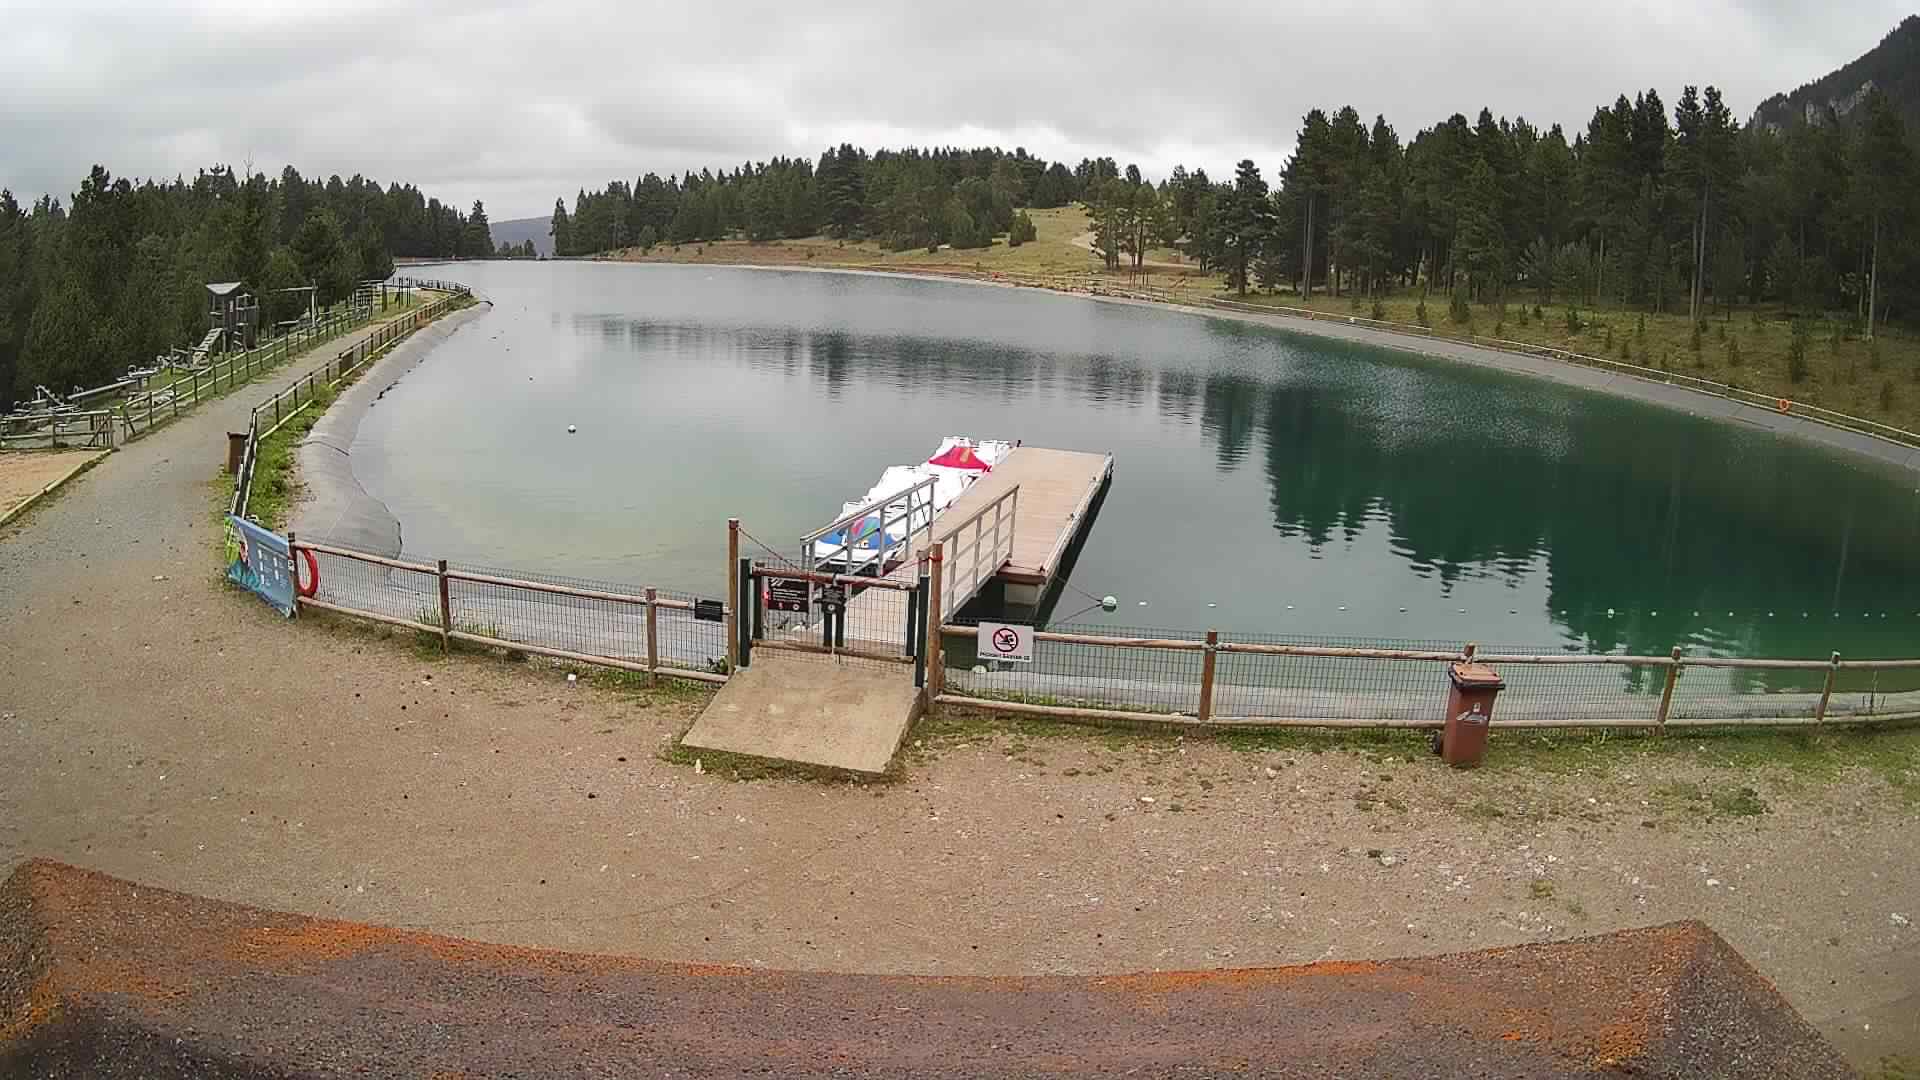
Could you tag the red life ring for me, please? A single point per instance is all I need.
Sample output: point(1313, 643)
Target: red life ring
point(1784, 405)
point(313, 574)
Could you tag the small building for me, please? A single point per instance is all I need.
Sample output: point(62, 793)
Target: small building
point(233, 311)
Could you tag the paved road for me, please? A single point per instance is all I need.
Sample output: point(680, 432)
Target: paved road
point(160, 727)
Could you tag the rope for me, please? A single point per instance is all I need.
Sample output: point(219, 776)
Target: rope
point(1082, 611)
point(775, 555)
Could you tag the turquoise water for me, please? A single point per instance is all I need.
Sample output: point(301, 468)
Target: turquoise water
point(1264, 481)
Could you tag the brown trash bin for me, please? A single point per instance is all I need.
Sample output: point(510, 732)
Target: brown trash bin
point(236, 451)
point(1469, 712)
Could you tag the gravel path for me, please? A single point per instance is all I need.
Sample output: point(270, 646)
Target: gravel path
point(158, 726)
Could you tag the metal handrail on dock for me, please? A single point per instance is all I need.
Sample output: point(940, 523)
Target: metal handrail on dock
point(967, 567)
point(910, 498)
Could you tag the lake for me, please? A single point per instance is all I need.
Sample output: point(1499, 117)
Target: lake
point(1263, 480)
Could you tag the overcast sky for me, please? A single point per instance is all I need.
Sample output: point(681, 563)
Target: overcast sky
point(516, 103)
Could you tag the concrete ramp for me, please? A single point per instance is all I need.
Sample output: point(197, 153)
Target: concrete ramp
point(100, 977)
point(815, 710)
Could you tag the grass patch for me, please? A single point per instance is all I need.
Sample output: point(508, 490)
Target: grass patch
point(1483, 810)
point(1540, 889)
point(664, 690)
point(1751, 348)
point(1892, 751)
point(1895, 1067)
point(274, 482)
point(1720, 801)
point(951, 725)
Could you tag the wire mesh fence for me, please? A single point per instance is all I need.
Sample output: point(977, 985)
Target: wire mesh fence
point(596, 621)
point(1267, 678)
point(851, 618)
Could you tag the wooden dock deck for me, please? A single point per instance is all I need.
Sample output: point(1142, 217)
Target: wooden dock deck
point(1057, 490)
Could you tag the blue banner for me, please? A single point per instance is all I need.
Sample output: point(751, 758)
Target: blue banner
point(259, 561)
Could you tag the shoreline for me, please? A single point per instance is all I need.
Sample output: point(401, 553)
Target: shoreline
point(334, 507)
point(1618, 384)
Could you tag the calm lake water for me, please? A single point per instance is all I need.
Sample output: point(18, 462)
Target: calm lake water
point(1263, 480)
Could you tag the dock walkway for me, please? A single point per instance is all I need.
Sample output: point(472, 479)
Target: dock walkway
point(1057, 489)
point(838, 712)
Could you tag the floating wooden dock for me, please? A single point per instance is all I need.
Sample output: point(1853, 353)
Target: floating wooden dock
point(1058, 491)
point(1047, 498)
point(1015, 529)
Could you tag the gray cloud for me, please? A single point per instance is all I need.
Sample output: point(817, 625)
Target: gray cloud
point(517, 103)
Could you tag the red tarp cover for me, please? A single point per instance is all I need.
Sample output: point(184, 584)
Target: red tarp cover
point(960, 456)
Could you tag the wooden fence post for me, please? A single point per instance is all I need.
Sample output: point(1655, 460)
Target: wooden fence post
point(653, 640)
point(1206, 675)
point(1826, 694)
point(446, 611)
point(730, 595)
point(1666, 694)
point(936, 653)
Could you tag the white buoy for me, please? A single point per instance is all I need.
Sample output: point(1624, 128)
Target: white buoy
point(1109, 603)
point(571, 429)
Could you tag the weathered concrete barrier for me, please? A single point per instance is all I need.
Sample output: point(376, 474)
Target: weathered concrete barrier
point(101, 977)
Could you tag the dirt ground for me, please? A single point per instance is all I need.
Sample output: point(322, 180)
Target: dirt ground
point(158, 726)
point(25, 473)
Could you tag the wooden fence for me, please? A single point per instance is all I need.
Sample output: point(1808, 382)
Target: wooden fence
point(141, 412)
point(56, 430)
point(1206, 683)
point(475, 615)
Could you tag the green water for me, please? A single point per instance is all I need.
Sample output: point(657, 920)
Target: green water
point(1264, 481)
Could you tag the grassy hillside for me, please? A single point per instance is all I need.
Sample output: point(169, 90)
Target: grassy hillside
point(1749, 347)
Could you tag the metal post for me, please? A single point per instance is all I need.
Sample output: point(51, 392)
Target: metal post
point(920, 627)
point(446, 611)
point(653, 640)
point(759, 601)
point(746, 604)
point(293, 568)
point(936, 658)
point(1666, 695)
point(733, 562)
point(913, 597)
point(1826, 694)
point(1206, 675)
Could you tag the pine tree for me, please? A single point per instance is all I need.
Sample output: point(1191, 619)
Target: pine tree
point(476, 240)
point(1246, 225)
point(561, 229)
point(1884, 165)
